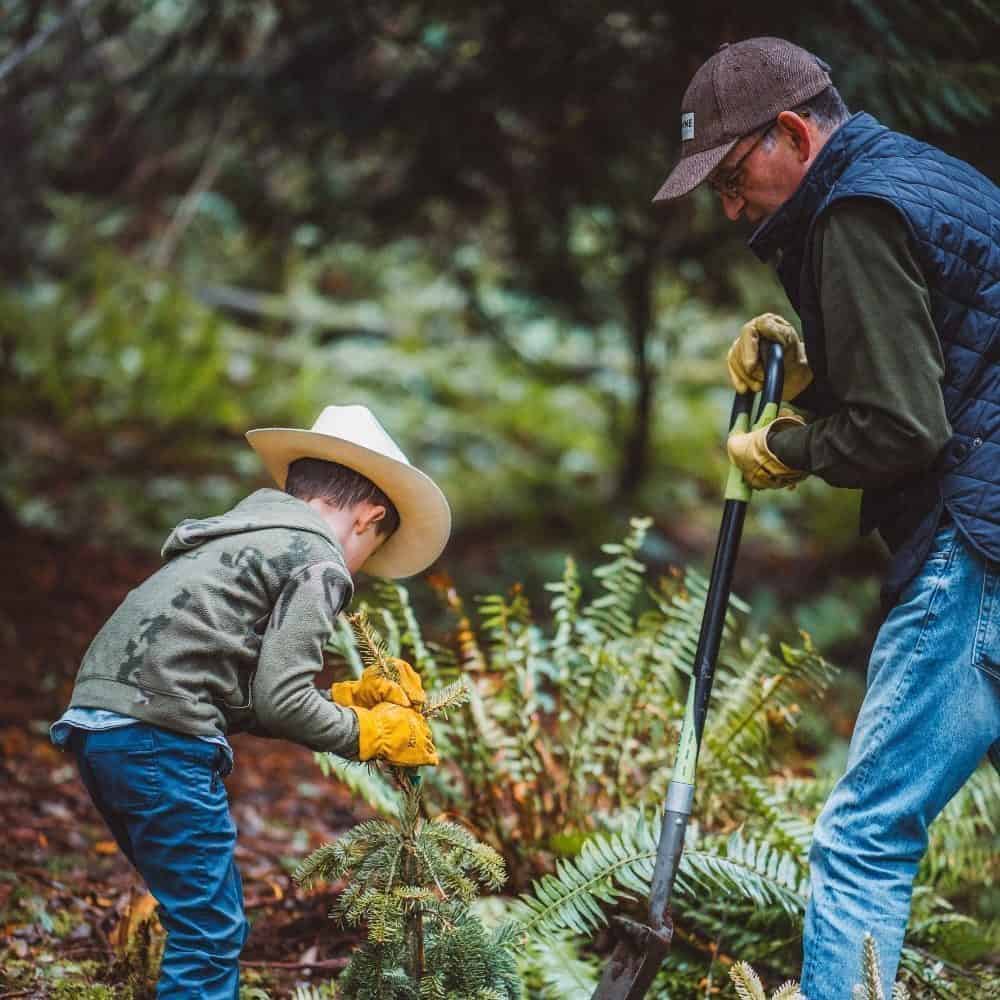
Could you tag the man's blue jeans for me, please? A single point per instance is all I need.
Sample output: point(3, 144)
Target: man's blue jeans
point(162, 796)
point(930, 714)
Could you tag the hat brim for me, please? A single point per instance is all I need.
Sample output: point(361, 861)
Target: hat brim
point(424, 514)
point(692, 170)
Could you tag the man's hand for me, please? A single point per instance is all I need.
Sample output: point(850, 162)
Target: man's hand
point(761, 468)
point(373, 689)
point(399, 736)
point(745, 368)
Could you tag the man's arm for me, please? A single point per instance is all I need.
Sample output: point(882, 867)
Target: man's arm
point(883, 355)
point(287, 702)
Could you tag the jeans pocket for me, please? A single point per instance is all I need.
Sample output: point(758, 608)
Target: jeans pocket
point(128, 779)
point(942, 545)
point(986, 648)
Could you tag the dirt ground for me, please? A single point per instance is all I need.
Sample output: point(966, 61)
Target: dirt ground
point(69, 901)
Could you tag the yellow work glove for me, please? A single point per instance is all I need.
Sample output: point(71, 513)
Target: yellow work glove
point(761, 468)
point(745, 368)
point(397, 735)
point(373, 688)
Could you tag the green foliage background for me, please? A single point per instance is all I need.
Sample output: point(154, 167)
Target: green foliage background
point(228, 215)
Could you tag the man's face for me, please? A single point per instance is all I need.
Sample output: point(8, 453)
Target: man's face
point(762, 171)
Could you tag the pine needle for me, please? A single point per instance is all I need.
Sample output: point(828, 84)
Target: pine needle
point(747, 982)
point(449, 698)
point(371, 646)
point(869, 964)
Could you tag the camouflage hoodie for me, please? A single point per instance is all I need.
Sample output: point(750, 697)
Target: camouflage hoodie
point(228, 634)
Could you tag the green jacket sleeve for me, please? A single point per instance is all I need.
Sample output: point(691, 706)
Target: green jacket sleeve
point(287, 702)
point(884, 356)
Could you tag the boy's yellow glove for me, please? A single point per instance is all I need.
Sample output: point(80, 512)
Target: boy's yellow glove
point(761, 468)
point(397, 735)
point(373, 689)
point(745, 369)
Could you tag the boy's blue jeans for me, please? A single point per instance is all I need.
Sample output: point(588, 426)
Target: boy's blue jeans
point(162, 796)
point(930, 714)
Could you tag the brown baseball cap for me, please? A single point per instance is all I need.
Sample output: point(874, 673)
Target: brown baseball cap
point(742, 87)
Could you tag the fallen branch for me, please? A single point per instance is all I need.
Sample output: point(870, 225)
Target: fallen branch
point(331, 963)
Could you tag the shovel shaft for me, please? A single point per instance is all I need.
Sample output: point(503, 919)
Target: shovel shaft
point(641, 948)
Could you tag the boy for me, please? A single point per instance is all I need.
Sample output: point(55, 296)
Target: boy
point(227, 636)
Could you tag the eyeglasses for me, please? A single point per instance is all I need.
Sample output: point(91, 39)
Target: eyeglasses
point(729, 183)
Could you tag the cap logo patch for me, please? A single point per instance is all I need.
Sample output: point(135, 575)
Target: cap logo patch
point(687, 126)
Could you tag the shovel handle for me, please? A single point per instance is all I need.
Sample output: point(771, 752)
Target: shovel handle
point(680, 793)
point(740, 419)
point(642, 948)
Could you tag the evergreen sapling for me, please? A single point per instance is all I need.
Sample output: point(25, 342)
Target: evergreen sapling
point(410, 883)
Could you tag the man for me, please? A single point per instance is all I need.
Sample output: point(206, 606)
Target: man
point(888, 250)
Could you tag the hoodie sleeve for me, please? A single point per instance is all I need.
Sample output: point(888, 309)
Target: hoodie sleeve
point(287, 703)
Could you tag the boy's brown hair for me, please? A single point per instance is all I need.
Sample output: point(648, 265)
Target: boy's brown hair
point(339, 485)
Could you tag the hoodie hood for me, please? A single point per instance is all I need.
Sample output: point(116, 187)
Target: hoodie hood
point(263, 509)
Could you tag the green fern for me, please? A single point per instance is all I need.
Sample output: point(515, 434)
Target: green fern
point(965, 838)
point(566, 744)
point(363, 780)
point(772, 813)
point(555, 969)
point(398, 618)
point(612, 613)
point(620, 866)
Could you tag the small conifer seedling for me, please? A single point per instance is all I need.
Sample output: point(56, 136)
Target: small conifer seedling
point(410, 883)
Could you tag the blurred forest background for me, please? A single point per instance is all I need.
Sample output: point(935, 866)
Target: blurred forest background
point(227, 215)
point(224, 215)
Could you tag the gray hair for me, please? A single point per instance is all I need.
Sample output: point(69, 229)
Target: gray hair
point(827, 109)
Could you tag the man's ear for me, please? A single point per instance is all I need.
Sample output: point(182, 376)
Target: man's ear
point(796, 129)
point(367, 516)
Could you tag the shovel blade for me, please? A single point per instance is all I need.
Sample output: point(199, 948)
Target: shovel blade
point(637, 958)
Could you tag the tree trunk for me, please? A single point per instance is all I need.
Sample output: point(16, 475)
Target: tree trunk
point(637, 292)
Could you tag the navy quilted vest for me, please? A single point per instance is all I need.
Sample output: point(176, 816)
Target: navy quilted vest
point(953, 215)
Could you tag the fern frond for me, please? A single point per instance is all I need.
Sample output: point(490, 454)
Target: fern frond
point(607, 868)
point(621, 865)
point(621, 579)
point(749, 869)
point(784, 828)
point(557, 963)
point(396, 600)
point(565, 607)
point(364, 780)
point(753, 699)
point(965, 838)
point(341, 642)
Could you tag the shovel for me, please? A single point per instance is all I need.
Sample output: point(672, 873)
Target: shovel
point(642, 947)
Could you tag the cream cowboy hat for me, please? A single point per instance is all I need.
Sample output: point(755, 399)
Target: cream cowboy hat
point(352, 436)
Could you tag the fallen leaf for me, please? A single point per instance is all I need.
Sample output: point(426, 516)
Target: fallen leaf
point(106, 847)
